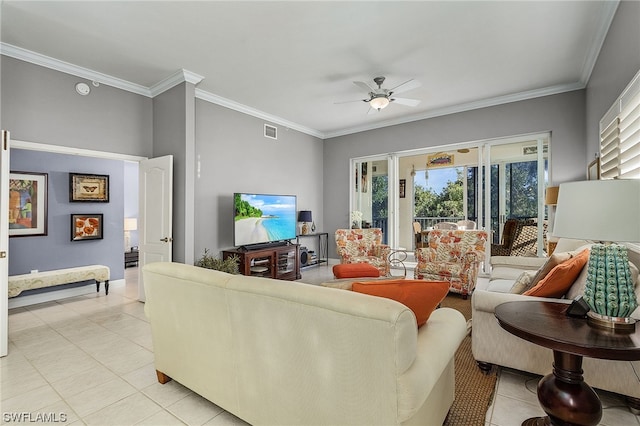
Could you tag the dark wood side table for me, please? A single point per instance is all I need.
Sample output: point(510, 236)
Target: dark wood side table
point(564, 395)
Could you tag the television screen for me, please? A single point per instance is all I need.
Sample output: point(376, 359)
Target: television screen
point(261, 218)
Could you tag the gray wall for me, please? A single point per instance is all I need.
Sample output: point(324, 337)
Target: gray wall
point(173, 128)
point(234, 156)
point(41, 105)
point(56, 250)
point(618, 62)
point(562, 115)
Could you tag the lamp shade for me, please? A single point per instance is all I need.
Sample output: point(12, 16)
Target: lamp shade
point(599, 210)
point(551, 196)
point(304, 216)
point(130, 224)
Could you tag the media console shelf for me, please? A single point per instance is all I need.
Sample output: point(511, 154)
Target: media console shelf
point(306, 259)
point(280, 262)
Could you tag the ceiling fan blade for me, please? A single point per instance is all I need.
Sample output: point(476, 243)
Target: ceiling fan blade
point(406, 101)
point(406, 86)
point(348, 102)
point(364, 86)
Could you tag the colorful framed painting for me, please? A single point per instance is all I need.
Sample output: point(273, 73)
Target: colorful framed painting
point(27, 204)
point(88, 188)
point(86, 227)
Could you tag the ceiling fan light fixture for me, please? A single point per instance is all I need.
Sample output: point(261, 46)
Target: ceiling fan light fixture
point(379, 102)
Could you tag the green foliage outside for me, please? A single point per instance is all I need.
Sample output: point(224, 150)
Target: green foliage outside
point(448, 203)
point(244, 209)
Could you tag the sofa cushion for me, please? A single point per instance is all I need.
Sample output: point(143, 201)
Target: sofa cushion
point(554, 260)
point(355, 270)
point(522, 283)
point(422, 297)
point(557, 282)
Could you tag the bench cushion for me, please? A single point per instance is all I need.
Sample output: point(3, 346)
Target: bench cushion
point(20, 283)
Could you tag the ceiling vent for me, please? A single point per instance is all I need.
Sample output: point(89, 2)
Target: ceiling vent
point(270, 131)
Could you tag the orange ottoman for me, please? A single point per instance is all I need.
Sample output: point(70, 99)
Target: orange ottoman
point(355, 270)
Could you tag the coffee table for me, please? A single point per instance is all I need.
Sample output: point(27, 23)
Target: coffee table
point(564, 395)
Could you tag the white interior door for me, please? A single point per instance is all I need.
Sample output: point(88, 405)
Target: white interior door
point(4, 243)
point(155, 215)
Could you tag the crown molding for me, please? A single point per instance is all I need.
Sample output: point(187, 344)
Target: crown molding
point(484, 103)
point(67, 68)
point(227, 103)
point(173, 80)
point(609, 9)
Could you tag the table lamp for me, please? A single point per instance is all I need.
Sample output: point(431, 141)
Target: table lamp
point(605, 211)
point(304, 216)
point(130, 224)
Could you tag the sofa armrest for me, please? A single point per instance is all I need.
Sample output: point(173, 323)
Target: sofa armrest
point(521, 262)
point(437, 343)
point(486, 301)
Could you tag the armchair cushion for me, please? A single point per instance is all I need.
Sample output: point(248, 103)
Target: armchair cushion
point(559, 280)
point(355, 270)
point(422, 297)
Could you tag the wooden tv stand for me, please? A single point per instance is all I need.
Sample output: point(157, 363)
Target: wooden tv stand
point(279, 262)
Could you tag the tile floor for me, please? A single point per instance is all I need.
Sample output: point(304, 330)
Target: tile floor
point(89, 360)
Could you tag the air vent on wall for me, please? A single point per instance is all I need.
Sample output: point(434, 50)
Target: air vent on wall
point(270, 131)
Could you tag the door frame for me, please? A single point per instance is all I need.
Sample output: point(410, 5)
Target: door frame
point(59, 149)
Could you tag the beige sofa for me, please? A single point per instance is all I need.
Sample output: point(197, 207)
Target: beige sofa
point(491, 344)
point(279, 352)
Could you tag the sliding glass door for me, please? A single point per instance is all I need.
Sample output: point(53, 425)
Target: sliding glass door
point(487, 183)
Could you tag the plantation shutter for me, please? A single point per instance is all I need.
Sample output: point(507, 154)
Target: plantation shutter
point(620, 135)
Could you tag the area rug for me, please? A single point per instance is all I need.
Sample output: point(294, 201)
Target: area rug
point(474, 389)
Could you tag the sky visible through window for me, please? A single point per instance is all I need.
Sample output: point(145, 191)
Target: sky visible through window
point(438, 178)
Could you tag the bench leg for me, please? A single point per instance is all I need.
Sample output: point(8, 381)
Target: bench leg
point(106, 286)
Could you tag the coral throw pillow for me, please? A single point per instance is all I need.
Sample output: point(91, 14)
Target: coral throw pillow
point(355, 270)
point(560, 278)
point(422, 297)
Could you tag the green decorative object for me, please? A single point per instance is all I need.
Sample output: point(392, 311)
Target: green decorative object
point(228, 265)
point(609, 291)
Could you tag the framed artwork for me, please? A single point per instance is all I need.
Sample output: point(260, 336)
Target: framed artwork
point(593, 170)
point(91, 188)
point(86, 227)
point(439, 159)
point(403, 186)
point(27, 204)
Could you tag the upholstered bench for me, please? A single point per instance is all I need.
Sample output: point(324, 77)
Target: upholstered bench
point(98, 273)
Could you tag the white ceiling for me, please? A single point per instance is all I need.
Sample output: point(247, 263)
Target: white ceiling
point(292, 61)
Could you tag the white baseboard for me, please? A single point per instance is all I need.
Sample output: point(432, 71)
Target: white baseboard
point(49, 296)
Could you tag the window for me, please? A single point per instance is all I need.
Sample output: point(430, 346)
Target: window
point(620, 135)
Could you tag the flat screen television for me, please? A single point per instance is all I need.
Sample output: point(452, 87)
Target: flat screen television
point(263, 218)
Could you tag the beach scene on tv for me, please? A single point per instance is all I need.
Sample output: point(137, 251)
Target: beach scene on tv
point(264, 218)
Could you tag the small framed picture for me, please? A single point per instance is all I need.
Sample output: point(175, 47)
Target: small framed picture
point(403, 187)
point(88, 188)
point(27, 204)
point(86, 227)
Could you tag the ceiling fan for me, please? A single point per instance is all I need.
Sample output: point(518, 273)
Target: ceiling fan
point(378, 98)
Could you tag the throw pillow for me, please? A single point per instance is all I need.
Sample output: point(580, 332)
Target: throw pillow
point(553, 261)
point(355, 270)
point(561, 277)
point(522, 283)
point(422, 297)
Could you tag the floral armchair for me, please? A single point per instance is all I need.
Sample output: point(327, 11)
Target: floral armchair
point(363, 246)
point(453, 256)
